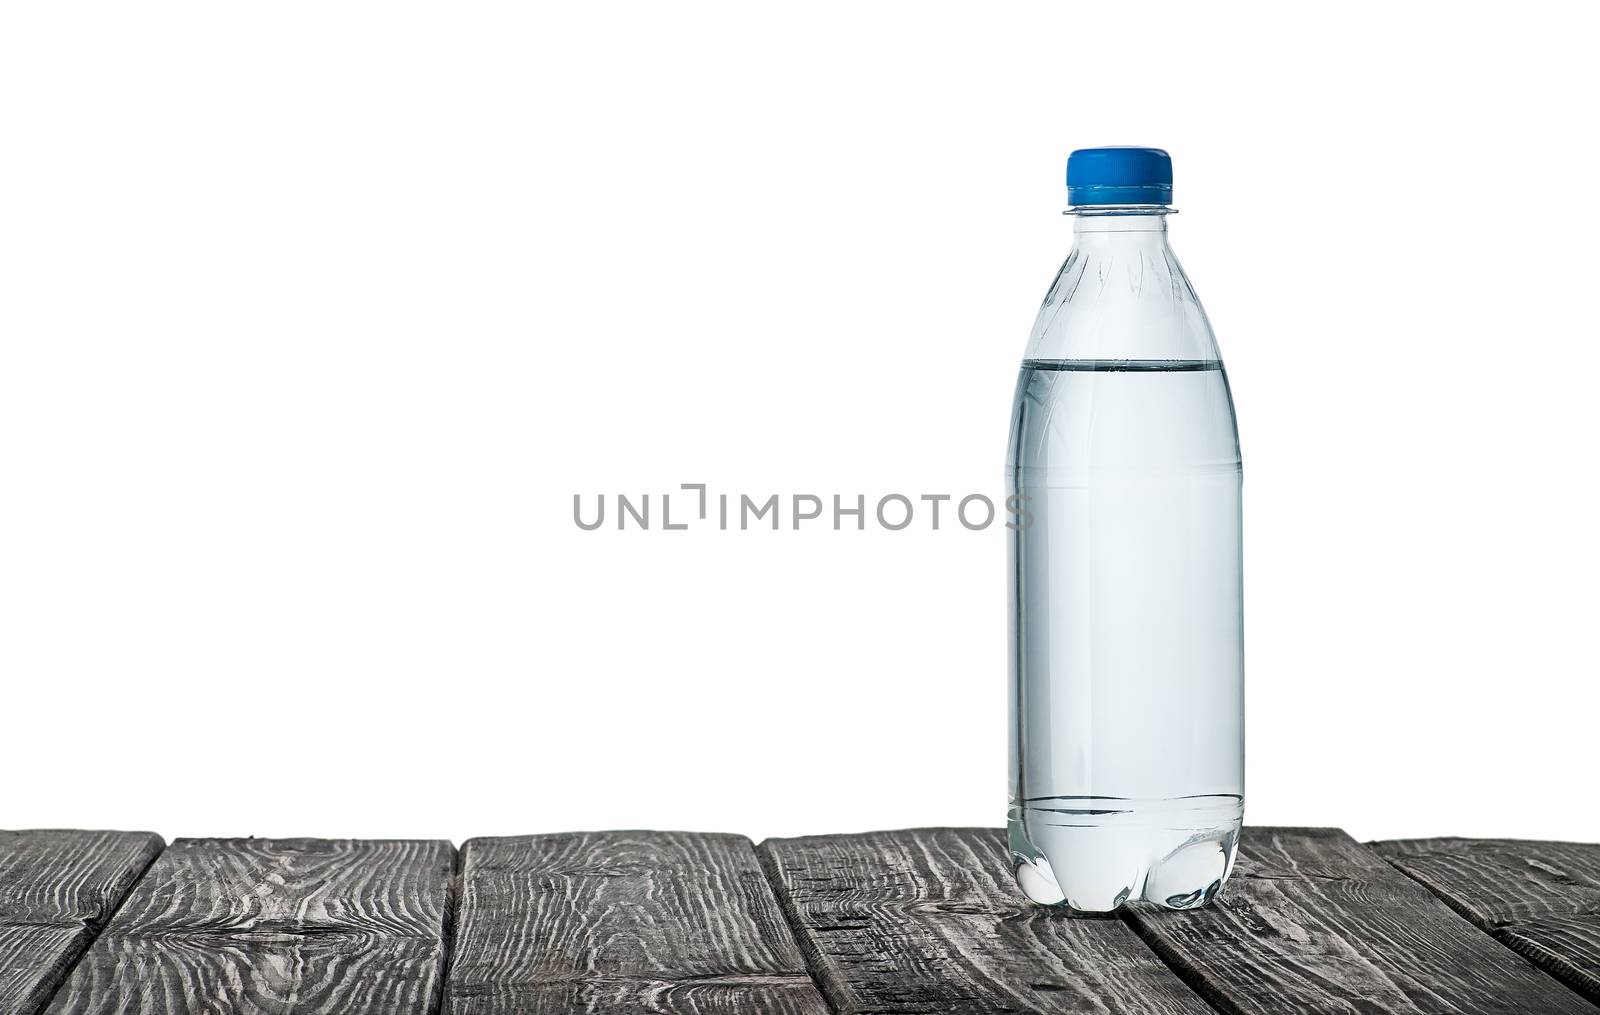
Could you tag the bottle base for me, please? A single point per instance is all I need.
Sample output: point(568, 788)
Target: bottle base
point(1092, 854)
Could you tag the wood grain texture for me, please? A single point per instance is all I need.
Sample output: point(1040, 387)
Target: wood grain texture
point(1312, 921)
point(896, 923)
point(248, 926)
point(57, 888)
point(622, 922)
point(1540, 898)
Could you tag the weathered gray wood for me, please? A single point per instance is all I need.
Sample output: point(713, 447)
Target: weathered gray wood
point(57, 889)
point(622, 922)
point(247, 926)
point(1312, 921)
point(1540, 898)
point(930, 921)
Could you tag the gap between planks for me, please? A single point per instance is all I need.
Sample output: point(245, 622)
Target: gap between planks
point(66, 886)
point(1540, 899)
point(66, 991)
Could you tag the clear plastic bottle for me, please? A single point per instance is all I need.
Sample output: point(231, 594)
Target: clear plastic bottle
point(1127, 660)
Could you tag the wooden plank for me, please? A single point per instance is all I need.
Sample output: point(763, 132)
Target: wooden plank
point(1540, 898)
point(622, 922)
point(57, 888)
point(1312, 921)
point(930, 921)
point(247, 926)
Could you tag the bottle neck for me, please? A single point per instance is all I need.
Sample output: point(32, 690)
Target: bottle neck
point(1121, 228)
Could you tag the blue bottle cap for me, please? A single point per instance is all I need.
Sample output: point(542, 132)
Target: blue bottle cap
point(1119, 175)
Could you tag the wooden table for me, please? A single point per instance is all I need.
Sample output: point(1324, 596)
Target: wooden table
point(888, 923)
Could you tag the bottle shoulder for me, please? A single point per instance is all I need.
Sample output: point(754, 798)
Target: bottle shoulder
point(1131, 303)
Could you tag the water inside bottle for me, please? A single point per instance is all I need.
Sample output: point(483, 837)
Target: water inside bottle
point(1127, 751)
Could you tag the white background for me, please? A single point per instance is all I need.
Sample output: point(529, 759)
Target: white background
point(316, 316)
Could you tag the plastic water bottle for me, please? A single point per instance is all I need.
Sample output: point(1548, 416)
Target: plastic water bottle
point(1127, 660)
